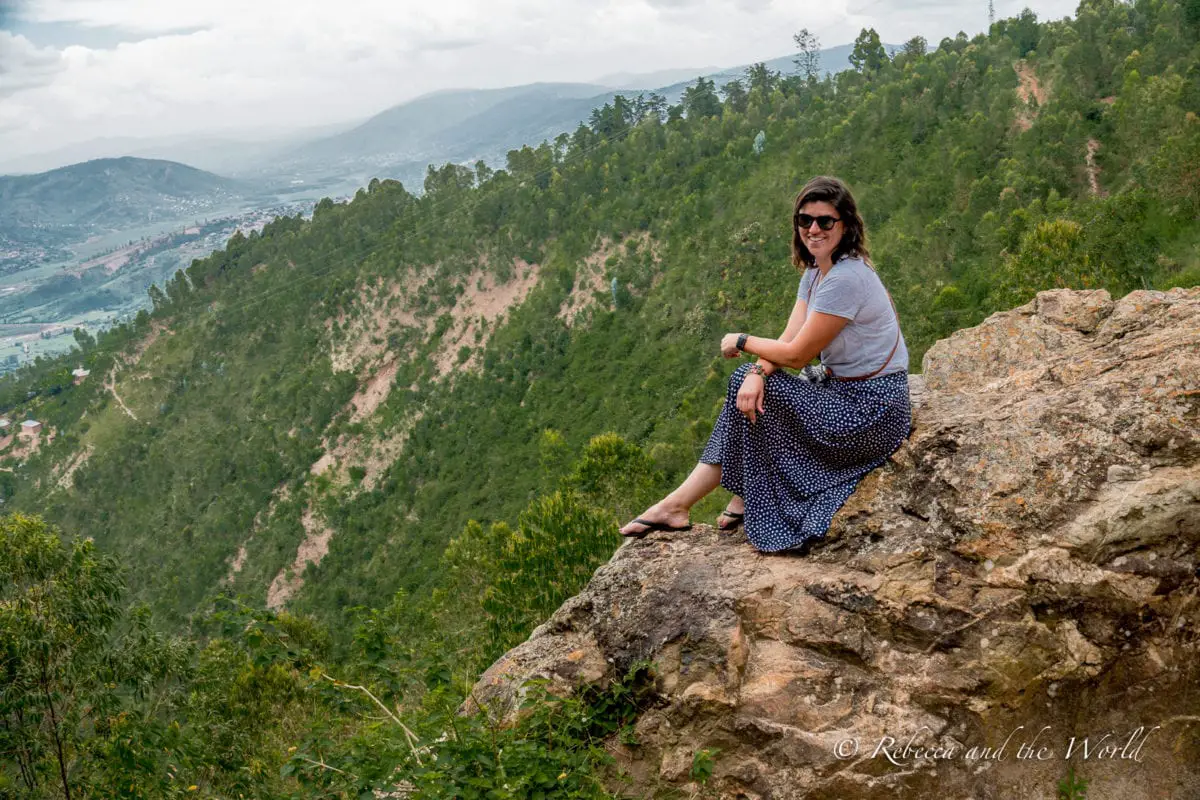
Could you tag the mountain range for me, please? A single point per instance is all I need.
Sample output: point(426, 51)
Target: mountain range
point(465, 125)
point(450, 125)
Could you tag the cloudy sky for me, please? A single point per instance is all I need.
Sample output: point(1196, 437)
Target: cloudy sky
point(74, 70)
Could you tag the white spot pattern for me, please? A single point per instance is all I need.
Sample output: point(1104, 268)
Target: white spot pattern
point(800, 462)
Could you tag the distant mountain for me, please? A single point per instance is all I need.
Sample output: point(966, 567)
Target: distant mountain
point(663, 77)
point(228, 153)
point(465, 125)
point(531, 117)
point(72, 203)
point(416, 132)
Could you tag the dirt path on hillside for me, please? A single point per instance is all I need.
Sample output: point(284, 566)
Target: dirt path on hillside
point(1029, 88)
point(110, 383)
point(1093, 169)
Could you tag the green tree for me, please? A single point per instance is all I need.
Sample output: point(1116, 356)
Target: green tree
point(735, 96)
point(158, 299)
point(761, 79)
point(84, 339)
point(67, 681)
point(448, 180)
point(700, 100)
point(614, 474)
point(483, 173)
point(868, 56)
point(1191, 13)
point(1023, 30)
point(654, 106)
point(808, 62)
point(915, 47)
point(1052, 256)
point(558, 543)
point(614, 118)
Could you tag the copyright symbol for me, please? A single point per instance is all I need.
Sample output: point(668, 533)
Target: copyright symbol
point(846, 748)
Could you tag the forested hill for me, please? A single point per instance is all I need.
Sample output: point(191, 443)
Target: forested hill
point(357, 391)
point(367, 382)
point(106, 194)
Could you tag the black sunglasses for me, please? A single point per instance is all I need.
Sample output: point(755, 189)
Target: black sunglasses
point(825, 223)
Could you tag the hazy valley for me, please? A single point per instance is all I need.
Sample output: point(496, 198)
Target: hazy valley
point(80, 245)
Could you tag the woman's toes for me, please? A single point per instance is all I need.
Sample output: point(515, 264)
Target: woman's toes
point(656, 514)
point(637, 527)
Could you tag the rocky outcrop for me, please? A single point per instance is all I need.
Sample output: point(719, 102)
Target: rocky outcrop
point(1017, 584)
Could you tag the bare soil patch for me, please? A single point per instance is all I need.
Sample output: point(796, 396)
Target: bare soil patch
point(314, 547)
point(282, 494)
point(479, 309)
point(379, 311)
point(371, 395)
point(589, 276)
point(1093, 169)
point(73, 465)
point(1029, 89)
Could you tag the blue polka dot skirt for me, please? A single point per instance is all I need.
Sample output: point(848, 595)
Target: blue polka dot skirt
point(803, 457)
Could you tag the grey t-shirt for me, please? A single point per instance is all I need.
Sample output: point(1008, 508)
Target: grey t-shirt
point(851, 289)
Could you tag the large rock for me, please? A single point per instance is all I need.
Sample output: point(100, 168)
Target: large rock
point(1024, 571)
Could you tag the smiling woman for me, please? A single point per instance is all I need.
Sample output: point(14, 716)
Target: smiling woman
point(793, 449)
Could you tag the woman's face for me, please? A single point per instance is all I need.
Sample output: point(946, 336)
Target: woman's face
point(821, 244)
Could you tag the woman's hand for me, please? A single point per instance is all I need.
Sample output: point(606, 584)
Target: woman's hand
point(750, 396)
point(729, 347)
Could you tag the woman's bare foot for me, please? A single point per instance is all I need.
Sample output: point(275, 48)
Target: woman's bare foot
point(661, 513)
point(731, 518)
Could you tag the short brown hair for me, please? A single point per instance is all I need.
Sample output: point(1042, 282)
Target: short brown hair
point(837, 194)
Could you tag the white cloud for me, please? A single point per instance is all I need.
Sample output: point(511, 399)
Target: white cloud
point(23, 66)
point(228, 64)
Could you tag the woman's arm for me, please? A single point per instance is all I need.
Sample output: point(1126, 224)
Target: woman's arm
point(817, 332)
point(794, 324)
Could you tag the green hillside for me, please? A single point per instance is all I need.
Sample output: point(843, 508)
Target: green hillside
point(402, 372)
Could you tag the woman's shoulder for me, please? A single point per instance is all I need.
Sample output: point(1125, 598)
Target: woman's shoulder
point(855, 262)
point(863, 269)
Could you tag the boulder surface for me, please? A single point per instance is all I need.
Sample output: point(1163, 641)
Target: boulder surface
point(1014, 594)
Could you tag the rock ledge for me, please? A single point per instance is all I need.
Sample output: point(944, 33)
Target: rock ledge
point(1027, 563)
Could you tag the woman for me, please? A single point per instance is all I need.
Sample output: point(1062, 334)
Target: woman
point(792, 449)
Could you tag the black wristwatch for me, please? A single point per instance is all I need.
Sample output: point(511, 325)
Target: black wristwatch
point(741, 342)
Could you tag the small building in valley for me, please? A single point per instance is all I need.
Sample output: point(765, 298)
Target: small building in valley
point(31, 428)
point(80, 374)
